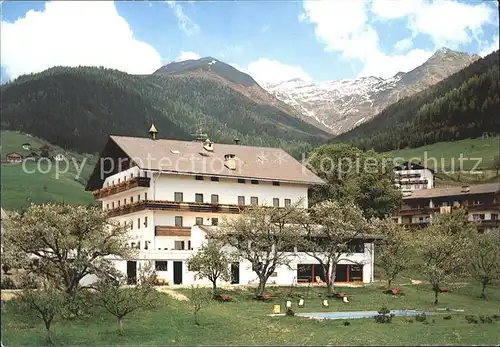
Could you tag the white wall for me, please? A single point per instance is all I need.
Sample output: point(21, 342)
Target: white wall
point(425, 174)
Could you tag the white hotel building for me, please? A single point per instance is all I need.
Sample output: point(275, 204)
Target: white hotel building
point(171, 192)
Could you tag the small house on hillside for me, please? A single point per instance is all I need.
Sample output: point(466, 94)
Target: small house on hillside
point(59, 157)
point(14, 157)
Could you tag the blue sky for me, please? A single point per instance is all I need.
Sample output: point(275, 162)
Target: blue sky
point(271, 40)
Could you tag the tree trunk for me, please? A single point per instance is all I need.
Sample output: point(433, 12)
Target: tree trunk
point(331, 278)
point(214, 288)
point(483, 292)
point(262, 286)
point(120, 324)
point(436, 299)
point(49, 337)
point(389, 283)
point(196, 321)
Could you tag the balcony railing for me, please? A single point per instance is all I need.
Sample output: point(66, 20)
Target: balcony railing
point(122, 187)
point(167, 230)
point(175, 206)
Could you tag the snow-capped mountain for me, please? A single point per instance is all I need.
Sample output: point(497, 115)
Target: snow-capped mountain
point(342, 105)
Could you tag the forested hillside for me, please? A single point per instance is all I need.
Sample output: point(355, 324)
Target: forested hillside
point(76, 108)
point(465, 105)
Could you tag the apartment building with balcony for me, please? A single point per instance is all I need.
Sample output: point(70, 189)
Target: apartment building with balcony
point(482, 203)
point(412, 176)
point(169, 192)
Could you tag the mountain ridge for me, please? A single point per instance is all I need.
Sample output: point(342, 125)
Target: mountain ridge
point(341, 105)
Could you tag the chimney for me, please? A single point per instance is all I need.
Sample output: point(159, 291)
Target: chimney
point(208, 146)
point(236, 141)
point(230, 161)
point(465, 189)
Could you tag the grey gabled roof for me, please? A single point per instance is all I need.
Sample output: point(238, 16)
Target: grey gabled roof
point(189, 157)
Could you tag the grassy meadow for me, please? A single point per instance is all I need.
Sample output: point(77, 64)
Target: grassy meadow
point(246, 322)
point(41, 182)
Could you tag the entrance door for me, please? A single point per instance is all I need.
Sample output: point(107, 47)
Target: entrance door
point(235, 273)
point(177, 272)
point(131, 272)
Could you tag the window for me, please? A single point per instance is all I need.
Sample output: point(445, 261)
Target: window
point(178, 221)
point(494, 216)
point(215, 221)
point(288, 202)
point(198, 178)
point(357, 246)
point(241, 180)
point(131, 225)
point(107, 206)
point(254, 182)
point(276, 183)
point(179, 245)
point(276, 202)
point(254, 200)
point(215, 199)
point(118, 203)
point(241, 200)
point(139, 197)
point(476, 202)
point(146, 222)
point(161, 265)
point(145, 196)
point(199, 221)
point(478, 216)
point(131, 199)
point(113, 204)
point(178, 196)
point(198, 197)
point(125, 201)
point(131, 175)
point(138, 223)
point(189, 244)
point(214, 179)
point(118, 181)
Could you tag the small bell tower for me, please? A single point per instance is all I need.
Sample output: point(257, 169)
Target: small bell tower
point(153, 131)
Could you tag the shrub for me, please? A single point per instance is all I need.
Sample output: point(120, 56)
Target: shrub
point(421, 317)
point(384, 315)
point(471, 319)
point(8, 283)
point(485, 319)
point(448, 317)
point(347, 323)
point(289, 312)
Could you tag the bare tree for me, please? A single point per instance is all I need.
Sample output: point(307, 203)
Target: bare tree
point(442, 249)
point(46, 301)
point(484, 258)
point(118, 300)
point(198, 298)
point(210, 262)
point(329, 231)
point(264, 236)
point(394, 250)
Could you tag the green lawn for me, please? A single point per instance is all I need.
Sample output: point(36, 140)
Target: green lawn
point(41, 183)
point(447, 154)
point(245, 322)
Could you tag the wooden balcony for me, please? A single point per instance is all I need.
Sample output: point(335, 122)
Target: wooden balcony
point(122, 187)
point(429, 210)
point(175, 206)
point(167, 230)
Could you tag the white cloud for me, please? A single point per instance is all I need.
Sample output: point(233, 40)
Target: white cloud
point(344, 27)
point(403, 45)
point(186, 24)
point(265, 28)
point(451, 23)
point(266, 71)
point(392, 9)
point(490, 48)
point(72, 34)
point(188, 56)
